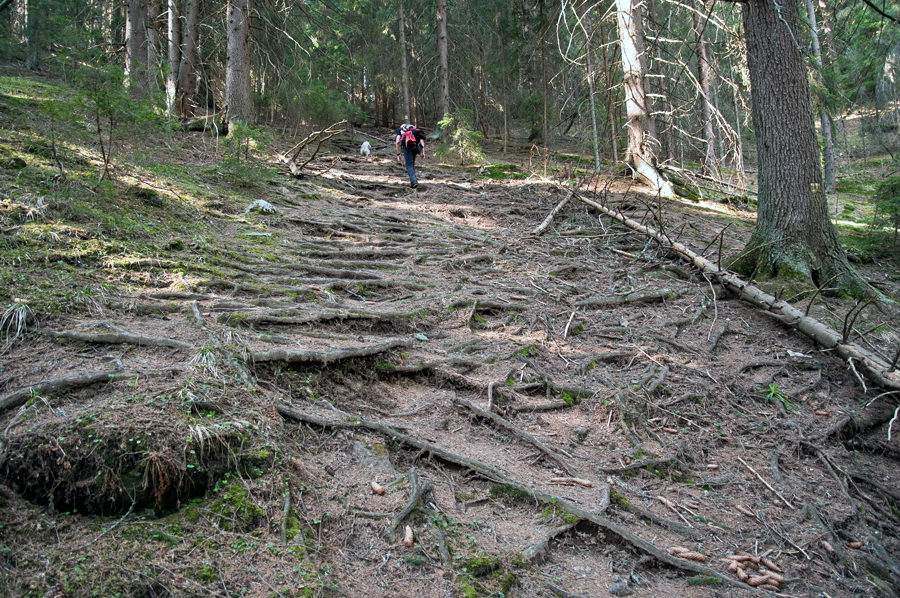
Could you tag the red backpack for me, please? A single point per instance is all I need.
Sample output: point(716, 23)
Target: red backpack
point(409, 140)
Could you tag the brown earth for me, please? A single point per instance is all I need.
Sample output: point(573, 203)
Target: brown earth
point(372, 334)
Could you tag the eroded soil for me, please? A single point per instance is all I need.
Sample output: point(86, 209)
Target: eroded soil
point(563, 439)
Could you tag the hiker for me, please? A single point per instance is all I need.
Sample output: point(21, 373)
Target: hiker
point(410, 142)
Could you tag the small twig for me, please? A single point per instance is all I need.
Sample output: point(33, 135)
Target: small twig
point(285, 510)
point(855, 373)
point(850, 318)
point(263, 579)
point(769, 486)
point(113, 526)
point(569, 323)
point(891, 423)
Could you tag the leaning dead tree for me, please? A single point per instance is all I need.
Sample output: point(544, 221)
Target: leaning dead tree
point(879, 371)
point(314, 140)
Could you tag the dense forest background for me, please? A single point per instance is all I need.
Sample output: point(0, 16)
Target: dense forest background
point(532, 68)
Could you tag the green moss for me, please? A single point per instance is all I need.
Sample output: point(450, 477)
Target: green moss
point(704, 580)
point(553, 510)
point(480, 566)
point(618, 499)
point(570, 398)
point(203, 574)
point(508, 582)
point(508, 492)
point(502, 171)
point(234, 508)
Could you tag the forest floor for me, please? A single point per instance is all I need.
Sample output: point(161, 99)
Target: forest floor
point(384, 392)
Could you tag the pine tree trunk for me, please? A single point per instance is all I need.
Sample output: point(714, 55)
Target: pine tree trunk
point(174, 55)
point(35, 18)
point(443, 59)
point(187, 70)
point(793, 234)
point(641, 130)
point(591, 78)
point(154, 50)
point(404, 68)
point(238, 99)
point(704, 80)
point(824, 116)
point(136, 47)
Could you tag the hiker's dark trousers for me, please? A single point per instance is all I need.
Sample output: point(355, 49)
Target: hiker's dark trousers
point(410, 157)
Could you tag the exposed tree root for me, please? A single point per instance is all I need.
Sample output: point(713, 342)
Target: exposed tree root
point(21, 396)
point(121, 338)
point(416, 490)
point(637, 465)
point(239, 366)
point(548, 451)
point(878, 413)
point(538, 551)
point(356, 423)
point(290, 317)
point(325, 357)
point(635, 297)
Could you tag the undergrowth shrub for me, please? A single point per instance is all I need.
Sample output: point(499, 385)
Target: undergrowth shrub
point(464, 141)
point(110, 108)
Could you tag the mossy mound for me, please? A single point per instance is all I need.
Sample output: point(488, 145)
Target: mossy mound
point(109, 460)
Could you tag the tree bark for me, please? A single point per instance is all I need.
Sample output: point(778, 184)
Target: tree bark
point(793, 235)
point(174, 55)
point(136, 47)
point(443, 59)
point(238, 99)
point(704, 79)
point(824, 115)
point(35, 18)
point(404, 68)
point(187, 70)
point(641, 130)
point(591, 81)
point(154, 50)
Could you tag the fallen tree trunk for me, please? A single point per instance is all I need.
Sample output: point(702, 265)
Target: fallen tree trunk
point(876, 369)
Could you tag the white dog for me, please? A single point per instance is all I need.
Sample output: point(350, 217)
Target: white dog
point(365, 149)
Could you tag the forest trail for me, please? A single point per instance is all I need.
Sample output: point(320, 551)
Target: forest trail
point(572, 414)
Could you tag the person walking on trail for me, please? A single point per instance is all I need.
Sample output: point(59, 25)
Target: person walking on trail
point(410, 143)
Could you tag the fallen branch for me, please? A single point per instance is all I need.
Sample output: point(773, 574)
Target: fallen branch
point(125, 338)
point(543, 225)
point(767, 484)
point(878, 370)
point(21, 396)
